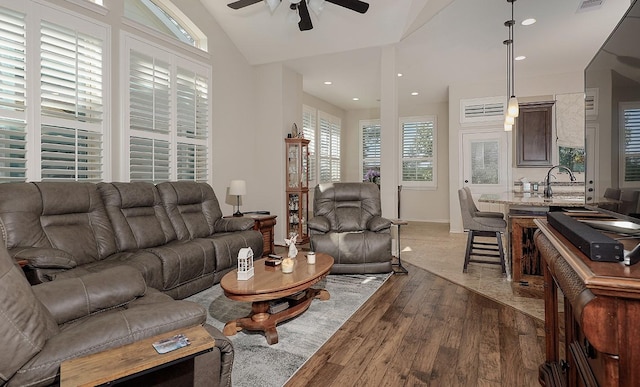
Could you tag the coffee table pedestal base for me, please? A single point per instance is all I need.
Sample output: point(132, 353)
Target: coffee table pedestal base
point(261, 320)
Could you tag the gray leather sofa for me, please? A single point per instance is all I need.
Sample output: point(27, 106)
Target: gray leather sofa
point(45, 324)
point(347, 224)
point(173, 233)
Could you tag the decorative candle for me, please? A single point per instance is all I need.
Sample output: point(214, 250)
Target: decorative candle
point(311, 258)
point(287, 265)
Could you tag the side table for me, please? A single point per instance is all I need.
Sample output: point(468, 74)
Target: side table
point(264, 224)
point(397, 267)
point(137, 360)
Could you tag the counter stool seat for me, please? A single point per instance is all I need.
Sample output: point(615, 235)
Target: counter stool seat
point(481, 227)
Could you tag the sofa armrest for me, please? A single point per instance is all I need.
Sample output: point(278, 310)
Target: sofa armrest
point(233, 224)
point(319, 223)
point(72, 298)
point(378, 223)
point(44, 258)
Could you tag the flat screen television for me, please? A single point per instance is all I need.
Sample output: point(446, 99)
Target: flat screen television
point(612, 117)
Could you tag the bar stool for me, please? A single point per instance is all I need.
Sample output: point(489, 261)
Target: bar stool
point(490, 226)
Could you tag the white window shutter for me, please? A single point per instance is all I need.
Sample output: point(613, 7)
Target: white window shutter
point(631, 117)
point(13, 142)
point(309, 132)
point(418, 151)
point(149, 159)
point(70, 154)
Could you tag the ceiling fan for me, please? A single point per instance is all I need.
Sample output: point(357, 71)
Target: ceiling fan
point(302, 6)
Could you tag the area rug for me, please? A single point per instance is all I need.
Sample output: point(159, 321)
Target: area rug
point(260, 364)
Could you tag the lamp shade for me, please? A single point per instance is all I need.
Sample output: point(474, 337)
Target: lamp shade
point(238, 188)
point(512, 109)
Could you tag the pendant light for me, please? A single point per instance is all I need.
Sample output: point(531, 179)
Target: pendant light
point(512, 110)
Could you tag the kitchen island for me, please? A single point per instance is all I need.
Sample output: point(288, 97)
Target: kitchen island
point(522, 258)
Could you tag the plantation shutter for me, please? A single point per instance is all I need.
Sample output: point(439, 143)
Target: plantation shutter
point(149, 94)
point(418, 152)
point(631, 144)
point(71, 135)
point(13, 142)
point(329, 149)
point(149, 159)
point(371, 135)
point(309, 132)
point(149, 113)
point(192, 125)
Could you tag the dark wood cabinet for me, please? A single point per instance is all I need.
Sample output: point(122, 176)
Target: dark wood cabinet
point(533, 135)
point(600, 318)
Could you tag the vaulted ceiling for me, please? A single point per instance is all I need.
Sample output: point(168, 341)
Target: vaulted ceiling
point(437, 42)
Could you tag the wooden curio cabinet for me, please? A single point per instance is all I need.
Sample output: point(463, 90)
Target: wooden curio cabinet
point(297, 188)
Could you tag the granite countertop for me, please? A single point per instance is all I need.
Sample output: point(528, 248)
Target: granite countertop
point(534, 199)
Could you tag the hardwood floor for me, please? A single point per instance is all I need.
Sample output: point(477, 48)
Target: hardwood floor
point(420, 329)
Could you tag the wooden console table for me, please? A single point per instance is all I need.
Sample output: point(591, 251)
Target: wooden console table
point(139, 358)
point(601, 316)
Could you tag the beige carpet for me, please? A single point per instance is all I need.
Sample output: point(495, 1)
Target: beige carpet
point(432, 247)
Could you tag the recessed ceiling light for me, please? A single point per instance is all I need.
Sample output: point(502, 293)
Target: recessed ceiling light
point(415, 93)
point(528, 22)
point(521, 57)
point(356, 99)
point(328, 82)
point(399, 74)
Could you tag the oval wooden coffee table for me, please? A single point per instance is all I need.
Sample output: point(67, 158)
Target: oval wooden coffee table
point(270, 283)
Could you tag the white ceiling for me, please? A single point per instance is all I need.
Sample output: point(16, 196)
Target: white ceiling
point(438, 43)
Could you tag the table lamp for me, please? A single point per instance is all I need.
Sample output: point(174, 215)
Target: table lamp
point(238, 188)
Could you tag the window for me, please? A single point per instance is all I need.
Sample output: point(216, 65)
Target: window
point(168, 115)
point(630, 157)
point(370, 148)
point(63, 136)
point(329, 157)
point(418, 151)
point(309, 132)
point(163, 16)
point(572, 158)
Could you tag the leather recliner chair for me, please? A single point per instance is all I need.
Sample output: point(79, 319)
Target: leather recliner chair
point(347, 224)
point(43, 325)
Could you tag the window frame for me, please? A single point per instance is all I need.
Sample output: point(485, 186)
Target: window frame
point(34, 116)
point(426, 185)
point(175, 61)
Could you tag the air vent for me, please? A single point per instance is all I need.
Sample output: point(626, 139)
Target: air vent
point(591, 103)
point(482, 109)
point(589, 5)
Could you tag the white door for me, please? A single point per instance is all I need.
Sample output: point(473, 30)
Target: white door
point(485, 161)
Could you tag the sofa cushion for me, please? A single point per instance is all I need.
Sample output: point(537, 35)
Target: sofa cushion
point(25, 324)
point(347, 206)
point(74, 298)
point(192, 208)
point(66, 216)
point(137, 215)
point(184, 261)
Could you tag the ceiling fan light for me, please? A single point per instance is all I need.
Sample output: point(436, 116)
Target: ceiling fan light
point(273, 4)
point(512, 109)
point(294, 1)
point(316, 6)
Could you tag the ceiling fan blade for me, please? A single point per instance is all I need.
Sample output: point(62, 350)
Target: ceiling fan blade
point(354, 5)
point(242, 3)
point(305, 19)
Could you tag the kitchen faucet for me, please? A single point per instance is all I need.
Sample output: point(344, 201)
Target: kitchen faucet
point(547, 188)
